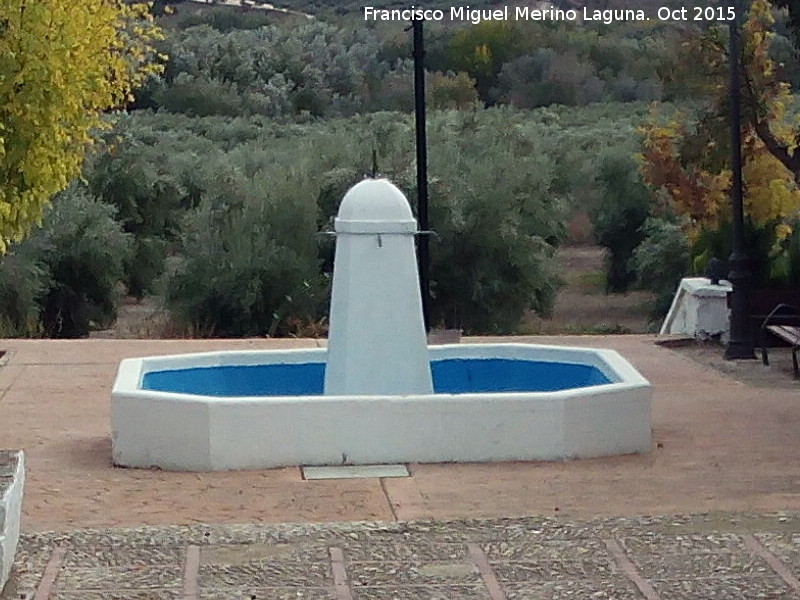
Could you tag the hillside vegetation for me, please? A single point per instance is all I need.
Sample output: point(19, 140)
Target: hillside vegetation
point(210, 189)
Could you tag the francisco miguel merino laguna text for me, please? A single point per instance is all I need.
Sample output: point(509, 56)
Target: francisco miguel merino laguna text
point(519, 13)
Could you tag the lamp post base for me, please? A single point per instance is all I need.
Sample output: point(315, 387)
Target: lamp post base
point(739, 350)
point(740, 345)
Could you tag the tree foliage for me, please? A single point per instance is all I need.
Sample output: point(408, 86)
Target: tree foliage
point(238, 202)
point(62, 280)
point(499, 218)
point(661, 260)
point(62, 63)
point(793, 8)
point(686, 160)
point(619, 216)
point(766, 95)
point(249, 263)
point(331, 68)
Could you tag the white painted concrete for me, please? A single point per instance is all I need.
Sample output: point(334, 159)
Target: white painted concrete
point(377, 341)
point(699, 309)
point(200, 433)
point(10, 515)
point(355, 472)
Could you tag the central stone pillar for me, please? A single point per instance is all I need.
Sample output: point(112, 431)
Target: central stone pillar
point(377, 342)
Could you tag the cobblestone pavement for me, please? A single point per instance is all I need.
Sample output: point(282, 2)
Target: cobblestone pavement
point(714, 556)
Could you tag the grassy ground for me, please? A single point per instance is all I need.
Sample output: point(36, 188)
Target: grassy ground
point(582, 306)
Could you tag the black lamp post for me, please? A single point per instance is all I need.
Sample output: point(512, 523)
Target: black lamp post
point(423, 256)
point(740, 344)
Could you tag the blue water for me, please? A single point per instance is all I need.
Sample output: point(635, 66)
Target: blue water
point(451, 376)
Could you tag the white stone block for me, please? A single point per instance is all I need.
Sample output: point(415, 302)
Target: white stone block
point(699, 309)
point(10, 516)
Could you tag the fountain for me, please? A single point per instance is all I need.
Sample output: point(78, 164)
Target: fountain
point(378, 394)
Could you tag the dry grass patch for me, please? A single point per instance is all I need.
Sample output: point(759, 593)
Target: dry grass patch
point(582, 306)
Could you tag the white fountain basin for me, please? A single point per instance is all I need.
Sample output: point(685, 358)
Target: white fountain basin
point(196, 432)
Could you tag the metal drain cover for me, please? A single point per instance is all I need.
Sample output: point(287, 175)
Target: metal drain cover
point(355, 471)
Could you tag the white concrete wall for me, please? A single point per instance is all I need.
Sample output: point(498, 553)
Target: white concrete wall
point(171, 432)
point(377, 342)
point(10, 515)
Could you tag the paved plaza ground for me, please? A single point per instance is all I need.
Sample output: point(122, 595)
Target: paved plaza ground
point(711, 512)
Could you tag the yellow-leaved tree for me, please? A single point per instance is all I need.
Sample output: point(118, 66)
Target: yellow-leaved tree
point(62, 64)
point(686, 160)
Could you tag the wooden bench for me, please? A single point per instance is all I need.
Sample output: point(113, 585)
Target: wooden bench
point(783, 321)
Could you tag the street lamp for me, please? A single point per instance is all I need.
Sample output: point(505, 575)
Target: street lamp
point(740, 344)
point(423, 256)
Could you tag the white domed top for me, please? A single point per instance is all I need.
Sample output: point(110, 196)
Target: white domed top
point(375, 206)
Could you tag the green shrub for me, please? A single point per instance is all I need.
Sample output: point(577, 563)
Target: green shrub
point(200, 97)
point(63, 280)
point(501, 184)
point(83, 249)
point(313, 68)
point(151, 177)
point(248, 264)
point(498, 221)
point(766, 268)
point(222, 18)
point(661, 260)
point(619, 216)
point(144, 265)
point(785, 267)
point(22, 282)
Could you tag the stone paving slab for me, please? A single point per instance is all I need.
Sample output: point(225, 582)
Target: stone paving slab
point(712, 556)
point(417, 592)
point(119, 595)
point(720, 588)
point(785, 546)
point(614, 589)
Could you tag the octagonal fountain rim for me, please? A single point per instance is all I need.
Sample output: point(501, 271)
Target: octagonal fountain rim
point(180, 431)
point(617, 370)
